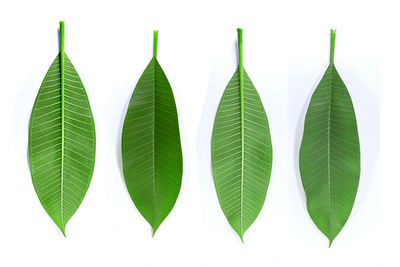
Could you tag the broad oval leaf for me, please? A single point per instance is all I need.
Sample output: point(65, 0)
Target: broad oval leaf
point(151, 147)
point(330, 153)
point(61, 140)
point(241, 151)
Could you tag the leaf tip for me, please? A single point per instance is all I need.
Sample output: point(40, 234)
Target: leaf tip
point(154, 228)
point(331, 240)
point(61, 226)
point(62, 229)
point(241, 235)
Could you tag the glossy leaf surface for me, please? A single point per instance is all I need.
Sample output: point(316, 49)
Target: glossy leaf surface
point(61, 140)
point(241, 150)
point(330, 153)
point(151, 147)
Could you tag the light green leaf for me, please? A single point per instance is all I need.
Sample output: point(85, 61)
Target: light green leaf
point(330, 153)
point(151, 146)
point(241, 150)
point(61, 140)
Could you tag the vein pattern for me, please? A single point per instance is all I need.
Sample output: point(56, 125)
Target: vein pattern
point(61, 173)
point(330, 155)
point(242, 167)
point(151, 148)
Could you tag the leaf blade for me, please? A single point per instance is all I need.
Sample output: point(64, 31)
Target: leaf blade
point(151, 148)
point(61, 184)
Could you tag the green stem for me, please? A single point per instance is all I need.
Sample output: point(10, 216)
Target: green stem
point(333, 38)
point(240, 48)
point(155, 42)
point(62, 53)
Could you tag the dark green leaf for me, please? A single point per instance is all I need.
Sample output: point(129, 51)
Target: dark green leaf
point(151, 147)
point(330, 153)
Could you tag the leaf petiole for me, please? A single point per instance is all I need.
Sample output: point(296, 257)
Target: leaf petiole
point(333, 38)
point(155, 42)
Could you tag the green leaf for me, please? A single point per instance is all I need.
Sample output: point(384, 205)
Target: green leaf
point(61, 140)
point(151, 146)
point(241, 150)
point(330, 153)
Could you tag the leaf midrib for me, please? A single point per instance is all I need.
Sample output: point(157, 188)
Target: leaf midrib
point(153, 143)
point(62, 58)
point(241, 88)
point(331, 66)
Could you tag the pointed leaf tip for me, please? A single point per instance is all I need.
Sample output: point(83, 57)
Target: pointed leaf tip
point(154, 228)
point(241, 238)
point(63, 231)
point(154, 232)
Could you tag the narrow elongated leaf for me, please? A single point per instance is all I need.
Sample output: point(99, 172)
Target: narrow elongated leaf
point(151, 147)
point(330, 153)
point(241, 150)
point(61, 140)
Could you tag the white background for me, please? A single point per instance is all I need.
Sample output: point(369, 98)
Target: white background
point(286, 50)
